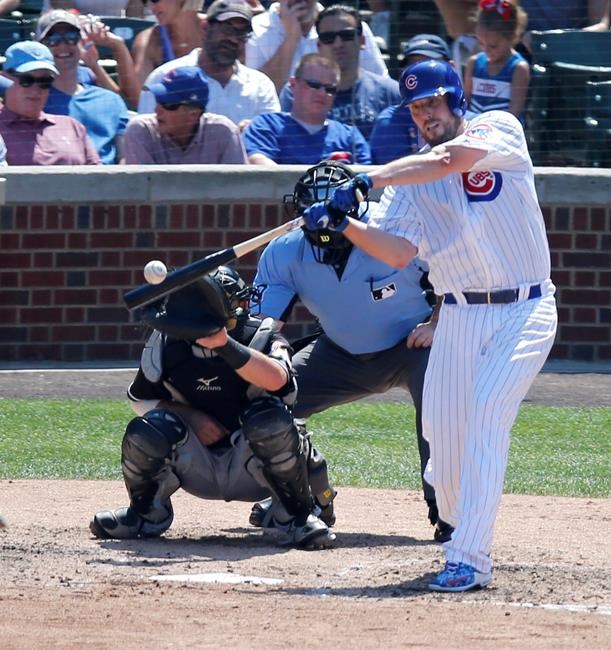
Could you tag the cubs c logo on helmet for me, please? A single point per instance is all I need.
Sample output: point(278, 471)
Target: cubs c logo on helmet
point(411, 81)
point(482, 186)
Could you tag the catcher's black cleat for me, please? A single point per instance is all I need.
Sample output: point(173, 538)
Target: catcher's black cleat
point(309, 535)
point(125, 523)
point(262, 514)
point(443, 532)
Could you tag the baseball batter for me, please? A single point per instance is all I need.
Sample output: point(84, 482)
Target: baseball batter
point(468, 206)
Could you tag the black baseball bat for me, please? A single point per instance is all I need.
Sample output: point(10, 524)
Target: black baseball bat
point(148, 293)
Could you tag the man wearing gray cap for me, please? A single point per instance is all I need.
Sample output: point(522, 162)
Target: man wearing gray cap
point(32, 136)
point(394, 133)
point(236, 91)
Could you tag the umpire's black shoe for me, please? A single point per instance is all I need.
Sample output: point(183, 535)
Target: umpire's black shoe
point(443, 532)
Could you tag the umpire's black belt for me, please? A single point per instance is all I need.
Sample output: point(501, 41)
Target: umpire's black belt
point(500, 297)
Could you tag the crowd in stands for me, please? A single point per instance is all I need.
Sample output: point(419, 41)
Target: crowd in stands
point(251, 81)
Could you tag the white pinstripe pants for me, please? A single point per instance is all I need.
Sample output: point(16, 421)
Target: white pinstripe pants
point(483, 360)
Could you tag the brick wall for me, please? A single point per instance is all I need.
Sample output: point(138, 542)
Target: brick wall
point(64, 269)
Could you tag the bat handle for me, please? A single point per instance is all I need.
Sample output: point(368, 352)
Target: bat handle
point(359, 195)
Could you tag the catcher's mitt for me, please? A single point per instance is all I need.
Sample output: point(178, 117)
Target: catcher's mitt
point(199, 309)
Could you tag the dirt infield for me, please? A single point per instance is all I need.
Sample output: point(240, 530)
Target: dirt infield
point(213, 581)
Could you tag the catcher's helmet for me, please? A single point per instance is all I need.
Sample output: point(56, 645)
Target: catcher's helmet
point(317, 184)
point(431, 79)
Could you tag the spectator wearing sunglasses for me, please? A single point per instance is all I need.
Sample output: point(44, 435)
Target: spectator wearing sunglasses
point(306, 136)
point(361, 94)
point(236, 91)
point(180, 131)
point(32, 136)
point(102, 112)
point(287, 31)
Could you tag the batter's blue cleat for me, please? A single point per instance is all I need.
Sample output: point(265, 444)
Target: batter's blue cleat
point(460, 577)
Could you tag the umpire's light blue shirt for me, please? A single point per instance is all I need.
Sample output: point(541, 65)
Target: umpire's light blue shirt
point(370, 309)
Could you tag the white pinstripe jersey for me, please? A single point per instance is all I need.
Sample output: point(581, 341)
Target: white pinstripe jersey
point(481, 230)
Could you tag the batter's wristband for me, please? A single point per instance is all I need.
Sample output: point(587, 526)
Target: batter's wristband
point(234, 353)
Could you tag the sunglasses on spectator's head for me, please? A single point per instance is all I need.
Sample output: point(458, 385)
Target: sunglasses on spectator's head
point(28, 80)
point(330, 89)
point(70, 38)
point(151, 1)
point(329, 37)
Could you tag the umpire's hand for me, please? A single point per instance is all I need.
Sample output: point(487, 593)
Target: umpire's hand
point(421, 336)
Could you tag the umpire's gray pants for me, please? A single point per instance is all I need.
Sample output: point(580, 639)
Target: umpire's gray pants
point(328, 375)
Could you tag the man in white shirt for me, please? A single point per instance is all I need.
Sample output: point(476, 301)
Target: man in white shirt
point(285, 33)
point(236, 91)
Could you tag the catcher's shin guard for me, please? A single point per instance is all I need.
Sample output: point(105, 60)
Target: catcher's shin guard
point(147, 455)
point(274, 439)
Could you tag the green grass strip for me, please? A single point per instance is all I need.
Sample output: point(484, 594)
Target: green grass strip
point(555, 451)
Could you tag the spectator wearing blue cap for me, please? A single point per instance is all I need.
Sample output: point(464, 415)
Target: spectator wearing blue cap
point(180, 131)
point(394, 132)
point(32, 136)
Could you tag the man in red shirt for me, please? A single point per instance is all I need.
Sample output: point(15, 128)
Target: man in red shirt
point(32, 136)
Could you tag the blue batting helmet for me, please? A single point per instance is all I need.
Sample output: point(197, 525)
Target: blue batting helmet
point(431, 79)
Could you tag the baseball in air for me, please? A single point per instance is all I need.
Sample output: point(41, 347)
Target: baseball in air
point(155, 272)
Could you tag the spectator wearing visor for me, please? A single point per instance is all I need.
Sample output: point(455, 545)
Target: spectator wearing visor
point(394, 132)
point(32, 136)
point(180, 131)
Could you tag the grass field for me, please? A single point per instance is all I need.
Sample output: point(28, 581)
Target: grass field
point(555, 451)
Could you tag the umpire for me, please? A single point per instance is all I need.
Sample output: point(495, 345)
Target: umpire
point(213, 396)
point(377, 325)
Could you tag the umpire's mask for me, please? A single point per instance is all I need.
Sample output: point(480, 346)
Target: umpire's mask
point(317, 184)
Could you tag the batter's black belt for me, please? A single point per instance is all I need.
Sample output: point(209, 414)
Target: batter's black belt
point(500, 297)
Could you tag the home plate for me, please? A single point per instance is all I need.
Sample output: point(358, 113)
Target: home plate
point(217, 578)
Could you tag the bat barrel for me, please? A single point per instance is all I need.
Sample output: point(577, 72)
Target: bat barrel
point(148, 293)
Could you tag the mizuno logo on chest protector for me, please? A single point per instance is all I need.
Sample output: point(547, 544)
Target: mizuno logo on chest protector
point(206, 384)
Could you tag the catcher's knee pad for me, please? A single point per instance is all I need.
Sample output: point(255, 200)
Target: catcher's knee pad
point(269, 428)
point(150, 440)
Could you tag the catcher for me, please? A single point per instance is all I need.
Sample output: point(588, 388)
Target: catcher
point(213, 396)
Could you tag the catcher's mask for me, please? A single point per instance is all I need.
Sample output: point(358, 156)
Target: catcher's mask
point(317, 184)
point(216, 300)
point(238, 294)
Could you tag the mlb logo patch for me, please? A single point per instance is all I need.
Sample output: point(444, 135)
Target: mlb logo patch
point(382, 293)
point(482, 186)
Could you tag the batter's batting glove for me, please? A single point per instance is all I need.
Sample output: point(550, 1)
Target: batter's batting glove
point(320, 216)
point(344, 198)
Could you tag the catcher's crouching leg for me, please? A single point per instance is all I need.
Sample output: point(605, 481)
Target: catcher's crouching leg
point(261, 515)
point(147, 453)
point(274, 439)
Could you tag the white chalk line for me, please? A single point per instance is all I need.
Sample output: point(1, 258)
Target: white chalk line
point(603, 610)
